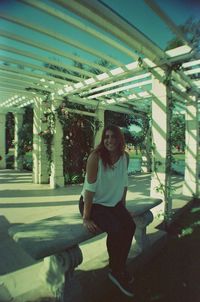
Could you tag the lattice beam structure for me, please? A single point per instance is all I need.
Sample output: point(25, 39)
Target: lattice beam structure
point(37, 60)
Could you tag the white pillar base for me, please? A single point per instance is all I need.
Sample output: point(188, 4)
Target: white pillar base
point(57, 181)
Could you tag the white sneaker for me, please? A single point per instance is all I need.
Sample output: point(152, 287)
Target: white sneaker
point(120, 280)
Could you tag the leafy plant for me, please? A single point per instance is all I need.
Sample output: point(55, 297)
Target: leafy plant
point(47, 134)
point(78, 133)
point(25, 137)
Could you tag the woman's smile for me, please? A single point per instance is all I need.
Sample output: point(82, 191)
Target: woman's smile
point(110, 141)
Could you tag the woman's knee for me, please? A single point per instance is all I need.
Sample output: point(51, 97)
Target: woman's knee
point(126, 228)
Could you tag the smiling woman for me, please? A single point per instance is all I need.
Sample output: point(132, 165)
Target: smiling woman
point(102, 203)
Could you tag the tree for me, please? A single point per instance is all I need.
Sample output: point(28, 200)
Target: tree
point(191, 31)
point(124, 121)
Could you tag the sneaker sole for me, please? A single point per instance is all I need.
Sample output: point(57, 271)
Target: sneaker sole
point(130, 281)
point(129, 294)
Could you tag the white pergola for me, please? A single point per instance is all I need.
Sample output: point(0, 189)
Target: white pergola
point(23, 66)
point(145, 78)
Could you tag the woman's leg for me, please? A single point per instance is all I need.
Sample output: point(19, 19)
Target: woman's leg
point(127, 231)
point(120, 227)
point(118, 224)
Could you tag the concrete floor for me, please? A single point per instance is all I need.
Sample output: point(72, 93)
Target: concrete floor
point(21, 201)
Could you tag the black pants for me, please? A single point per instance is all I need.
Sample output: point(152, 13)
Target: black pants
point(120, 228)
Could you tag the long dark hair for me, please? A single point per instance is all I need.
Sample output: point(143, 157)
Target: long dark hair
point(103, 152)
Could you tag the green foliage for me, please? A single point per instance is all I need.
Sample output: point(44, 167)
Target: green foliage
point(47, 134)
point(125, 121)
point(191, 31)
point(63, 70)
point(178, 131)
point(120, 119)
point(25, 136)
point(190, 229)
point(78, 133)
point(103, 63)
point(9, 130)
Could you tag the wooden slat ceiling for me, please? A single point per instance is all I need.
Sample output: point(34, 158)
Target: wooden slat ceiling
point(38, 51)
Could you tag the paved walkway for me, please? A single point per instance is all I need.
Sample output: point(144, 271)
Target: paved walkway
point(24, 202)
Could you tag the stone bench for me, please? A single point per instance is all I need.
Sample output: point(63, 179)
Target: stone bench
point(56, 240)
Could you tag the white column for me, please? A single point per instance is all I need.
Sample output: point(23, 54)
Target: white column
point(18, 164)
point(147, 156)
point(36, 130)
point(3, 140)
point(44, 162)
point(57, 177)
point(100, 116)
point(160, 180)
point(191, 181)
point(40, 160)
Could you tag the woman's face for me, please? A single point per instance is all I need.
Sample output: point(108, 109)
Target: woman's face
point(110, 141)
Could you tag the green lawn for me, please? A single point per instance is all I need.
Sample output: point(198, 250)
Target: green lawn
point(134, 154)
point(179, 156)
point(176, 156)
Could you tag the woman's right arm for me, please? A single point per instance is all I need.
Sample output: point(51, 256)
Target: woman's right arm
point(91, 170)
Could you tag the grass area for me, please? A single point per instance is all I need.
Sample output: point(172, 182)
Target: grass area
point(179, 156)
point(134, 154)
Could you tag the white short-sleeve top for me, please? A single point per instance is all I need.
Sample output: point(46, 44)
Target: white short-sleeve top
point(110, 183)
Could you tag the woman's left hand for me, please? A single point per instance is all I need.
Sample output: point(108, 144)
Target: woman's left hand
point(91, 226)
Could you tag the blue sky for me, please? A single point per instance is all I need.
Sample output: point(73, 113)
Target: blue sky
point(138, 13)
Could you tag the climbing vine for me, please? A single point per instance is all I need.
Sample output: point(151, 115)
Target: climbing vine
point(78, 135)
point(166, 188)
point(47, 134)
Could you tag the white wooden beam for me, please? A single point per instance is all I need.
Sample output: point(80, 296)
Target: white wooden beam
point(105, 18)
point(46, 70)
point(59, 37)
point(81, 26)
point(23, 84)
point(119, 89)
point(51, 50)
point(17, 71)
point(44, 59)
